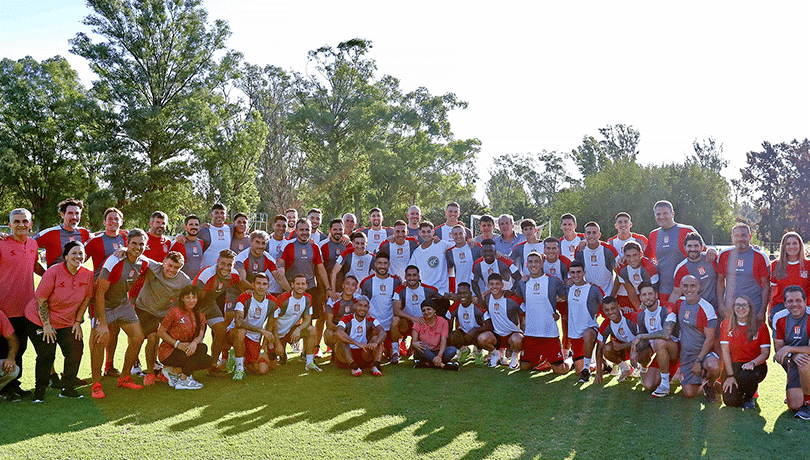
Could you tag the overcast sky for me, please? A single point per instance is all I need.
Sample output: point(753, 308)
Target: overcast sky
point(536, 75)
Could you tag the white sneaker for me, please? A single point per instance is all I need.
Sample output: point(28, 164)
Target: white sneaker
point(312, 367)
point(661, 392)
point(494, 361)
point(170, 376)
point(188, 384)
point(515, 361)
point(136, 370)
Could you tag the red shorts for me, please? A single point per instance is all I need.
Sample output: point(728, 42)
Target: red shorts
point(360, 360)
point(673, 364)
point(253, 351)
point(578, 348)
point(503, 341)
point(536, 349)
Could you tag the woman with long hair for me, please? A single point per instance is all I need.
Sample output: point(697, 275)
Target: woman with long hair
point(182, 351)
point(746, 345)
point(791, 268)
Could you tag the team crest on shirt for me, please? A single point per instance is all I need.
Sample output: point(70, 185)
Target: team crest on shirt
point(490, 271)
point(740, 263)
point(462, 255)
point(571, 248)
point(131, 273)
point(433, 262)
point(359, 264)
point(666, 239)
point(376, 237)
point(360, 329)
point(553, 271)
point(71, 239)
point(303, 251)
point(577, 292)
point(194, 250)
point(536, 286)
point(116, 245)
point(382, 288)
point(797, 330)
point(621, 331)
point(220, 285)
point(652, 321)
point(701, 271)
point(399, 251)
point(348, 308)
point(257, 312)
point(497, 306)
point(636, 277)
point(594, 259)
point(466, 316)
point(255, 266)
point(221, 233)
point(241, 246)
point(414, 297)
point(297, 307)
point(687, 314)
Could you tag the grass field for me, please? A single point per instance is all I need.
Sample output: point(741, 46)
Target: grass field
point(408, 413)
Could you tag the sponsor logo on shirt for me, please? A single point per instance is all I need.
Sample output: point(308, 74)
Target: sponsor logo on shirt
point(182, 321)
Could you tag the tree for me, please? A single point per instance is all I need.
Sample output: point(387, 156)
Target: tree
point(619, 144)
point(797, 155)
point(49, 125)
point(764, 178)
point(708, 155)
point(156, 66)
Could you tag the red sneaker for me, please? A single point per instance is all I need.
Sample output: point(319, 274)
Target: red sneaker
point(403, 349)
point(149, 380)
point(357, 372)
point(126, 382)
point(376, 372)
point(98, 392)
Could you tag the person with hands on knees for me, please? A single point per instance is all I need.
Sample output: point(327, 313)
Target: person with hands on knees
point(182, 351)
point(360, 340)
point(745, 345)
point(792, 344)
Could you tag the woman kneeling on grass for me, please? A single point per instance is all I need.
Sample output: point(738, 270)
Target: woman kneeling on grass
point(182, 351)
point(746, 345)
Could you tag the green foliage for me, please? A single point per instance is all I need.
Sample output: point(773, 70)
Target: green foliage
point(49, 132)
point(619, 144)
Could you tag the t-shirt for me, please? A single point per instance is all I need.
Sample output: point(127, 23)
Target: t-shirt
point(301, 259)
point(211, 285)
point(215, 239)
point(482, 269)
point(794, 332)
point(539, 303)
point(599, 264)
point(625, 331)
point(54, 239)
point(558, 268)
point(744, 273)
point(399, 255)
point(666, 249)
point(102, 246)
point(650, 321)
point(583, 306)
point(65, 293)
point(192, 254)
point(381, 292)
point(468, 317)
point(338, 308)
point(618, 243)
point(17, 260)
point(255, 312)
point(361, 331)
point(445, 233)
point(352, 264)
point(504, 314)
point(330, 251)
point(432, 335)
point(275, 247)
point(505, 247)
point(159, 292)
point(240, 244)
point(290, 310)
point(741, 350)
point(411, 299)
point(122, 275)
point(635, 276)
point(569, 248)
point(376, 237)
point(261, 264)
point(157, 247)
point(6, 329)
point(796, 275)
point(432, 264)
point(693, 319)
point(181, 325)
point(462, 260)
point(704, 272)
point(521, 253)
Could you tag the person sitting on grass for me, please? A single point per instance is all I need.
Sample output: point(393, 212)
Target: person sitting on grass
point(359, 340)
point(745, 345)
point(429, 341)
point(501, 324)
point(250, 334)
point(182, 351)
point(617, 351)
point(791, 341)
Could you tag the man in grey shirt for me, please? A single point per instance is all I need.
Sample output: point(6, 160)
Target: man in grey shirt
point(508, 239)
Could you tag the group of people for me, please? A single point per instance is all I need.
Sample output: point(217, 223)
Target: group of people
point(658, 307)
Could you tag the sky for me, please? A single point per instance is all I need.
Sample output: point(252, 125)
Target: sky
point(536, 75)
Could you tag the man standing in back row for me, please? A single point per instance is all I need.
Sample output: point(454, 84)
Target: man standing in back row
point(666, 246)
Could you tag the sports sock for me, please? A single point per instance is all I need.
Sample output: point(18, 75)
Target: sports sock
point(586, 363)
point(515, 357)
point(665, 379)
point(240, 363)
point(310, 358)
point(395, 348)
point(807, 399)
point(495, 356)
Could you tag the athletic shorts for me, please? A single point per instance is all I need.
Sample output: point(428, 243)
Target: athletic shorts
point(674, 364)
point(793, 376)
point(149, 322)
point(409, 324)
point(122, 314)
point(213, 315)
point(689, 377)
point(503, 341)
point(253, 351)
point(537, 349)
point(578, 347)
point(359, 358)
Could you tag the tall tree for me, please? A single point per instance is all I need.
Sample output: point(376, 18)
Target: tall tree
point(156, 64)
point(708, 155)
point(764, 178)
point(619, 143)
point(49, 125)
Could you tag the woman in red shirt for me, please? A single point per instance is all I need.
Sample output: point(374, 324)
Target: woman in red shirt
point(182, 351)
point(746, 346)
point(55, 316)
point(791, 268)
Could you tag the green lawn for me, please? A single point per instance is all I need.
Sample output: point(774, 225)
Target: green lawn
point(475, 413)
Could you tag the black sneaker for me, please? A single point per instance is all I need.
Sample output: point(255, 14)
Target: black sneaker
point(803, 412)
point(39, 395)
point(584, 376)
point(607, 369)
point(56, 382)
point(750, 404)
point(77, 382)
point(709, 392)
point(23, 393)
point(70, 392)
point(451, 367)
point(9, 394)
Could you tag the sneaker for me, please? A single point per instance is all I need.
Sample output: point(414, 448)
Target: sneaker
point(318, 354)
point(69, 392)
point(136, 369)
point(403, 349)
point(171, 377)
point(10, 396)
point(188, 384)
point(296, 348)
point(39, 395)
point(709, 392)
point(607, 369)
point(56, 382)
point(328, 350)
point(160, 377)
point(357, 372)
point(98, 392)
point(312, 367)
point(239, 374)
point(751, 404)
point(231, 364)
point(803, 412)
point(542, 367)
point(494, 361)
point(149, 380)
point(417, 364)
point(126, 382)
point(451, 367)
point(111, 371)
point(395, 359)
point(584, 376)
point(23, 393)
point(375, 371)
point(514, 365)
point(661, 392)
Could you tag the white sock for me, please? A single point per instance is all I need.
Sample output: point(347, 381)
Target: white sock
point(240, 363)
point(665, 379)
point(310, 358)
point(495, 355)
point(395, 348)
point(515, 356)
point(586, 363)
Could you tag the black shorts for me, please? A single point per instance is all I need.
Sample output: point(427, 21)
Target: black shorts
point(793, 378)
point(149, 322)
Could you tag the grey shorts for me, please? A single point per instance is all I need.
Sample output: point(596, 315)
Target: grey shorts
point(122, 314)
point(689, 378)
